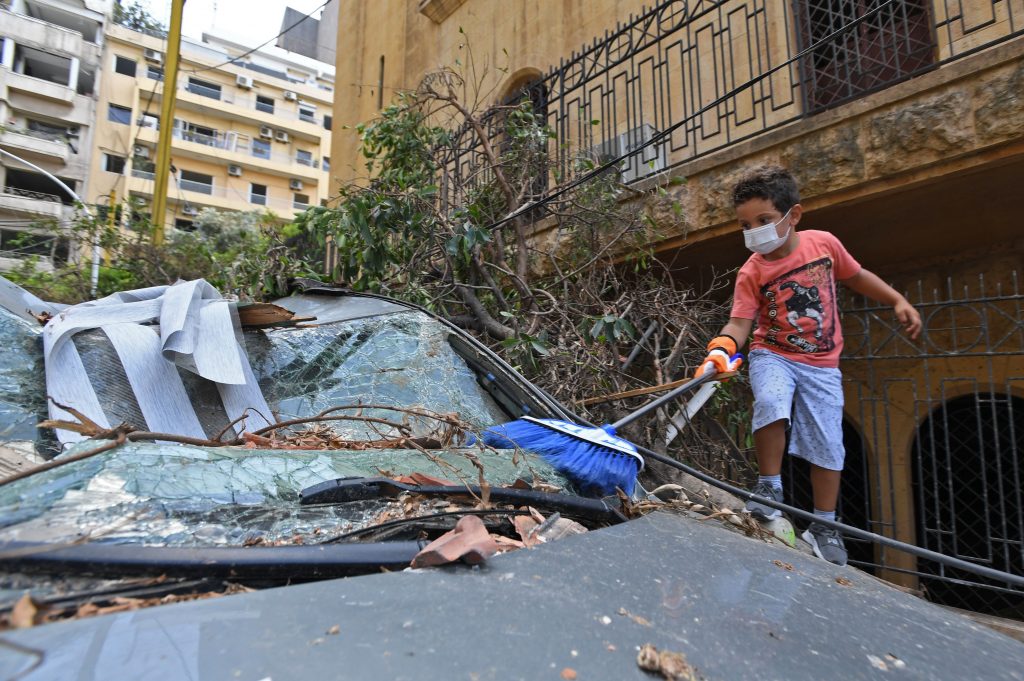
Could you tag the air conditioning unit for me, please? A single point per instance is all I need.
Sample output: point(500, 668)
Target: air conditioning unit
point(189, 209)
point(290, 96)
point(234, 171)
point(280, 136)
point(154, 56)
point(295, 184)
point(149, 122)
point(244, 81)
point(140, 151)
point(646, 161)
point(266, 132)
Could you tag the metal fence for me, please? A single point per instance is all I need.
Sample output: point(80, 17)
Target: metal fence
point(935, 439)
point(702, 66)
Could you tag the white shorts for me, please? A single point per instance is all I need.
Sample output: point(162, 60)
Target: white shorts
point(809, 398)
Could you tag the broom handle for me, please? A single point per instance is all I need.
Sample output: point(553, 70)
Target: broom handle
point(708, 375)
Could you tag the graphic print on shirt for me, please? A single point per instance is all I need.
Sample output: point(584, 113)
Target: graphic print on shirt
point(802, 309)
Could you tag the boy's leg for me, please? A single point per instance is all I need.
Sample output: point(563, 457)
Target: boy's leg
point(773, 384)
point(770, 445)
point(817, 436)
point(825, 486)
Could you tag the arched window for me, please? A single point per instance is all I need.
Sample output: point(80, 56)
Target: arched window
point(968, 479)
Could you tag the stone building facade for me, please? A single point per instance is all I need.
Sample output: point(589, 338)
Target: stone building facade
point(904, 123)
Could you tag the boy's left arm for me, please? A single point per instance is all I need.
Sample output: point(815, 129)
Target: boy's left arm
point(869, 284)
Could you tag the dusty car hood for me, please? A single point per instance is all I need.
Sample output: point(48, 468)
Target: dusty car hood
point(734, 606)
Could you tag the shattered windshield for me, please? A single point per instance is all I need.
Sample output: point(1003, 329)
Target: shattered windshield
point(360, 351)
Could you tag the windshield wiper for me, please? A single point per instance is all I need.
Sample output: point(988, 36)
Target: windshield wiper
point(344, 490)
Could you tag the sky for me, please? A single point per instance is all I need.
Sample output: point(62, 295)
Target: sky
point(248, 22)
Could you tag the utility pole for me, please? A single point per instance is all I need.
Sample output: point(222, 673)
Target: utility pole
point(163, 149)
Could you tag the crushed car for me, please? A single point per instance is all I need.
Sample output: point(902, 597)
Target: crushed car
point(150, 532)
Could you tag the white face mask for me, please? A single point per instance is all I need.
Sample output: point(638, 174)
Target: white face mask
point(765, 239)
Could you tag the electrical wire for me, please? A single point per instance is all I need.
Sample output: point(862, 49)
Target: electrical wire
point(245, 54)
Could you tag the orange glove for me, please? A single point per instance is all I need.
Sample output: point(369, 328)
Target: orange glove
point(721, 351)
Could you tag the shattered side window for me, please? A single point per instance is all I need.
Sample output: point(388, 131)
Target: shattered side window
point(175, 495)
point(400, 359)
point(22, 388)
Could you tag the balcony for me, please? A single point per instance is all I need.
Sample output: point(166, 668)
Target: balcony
point(29, 202)
point(236, 149)
point(34, 143)
point(198, 187)
point(244, 104)
point(40, 87)
point(204, 91)
point(202, 195)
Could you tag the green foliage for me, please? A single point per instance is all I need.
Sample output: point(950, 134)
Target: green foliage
point(247, 254)
point(132, 15)
point(379, 226)
point(611, 328)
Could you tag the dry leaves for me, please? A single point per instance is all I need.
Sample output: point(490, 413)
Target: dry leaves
point(671, 665)
point(785, 566)
point(28, 612)
point(636, 618)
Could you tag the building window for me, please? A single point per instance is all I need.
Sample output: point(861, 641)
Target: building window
point(124, 66)
point(119, 114)
point(300, 201)
point(890, 45)
point(304, 157)
point(261, 148)
point(196, 182)
point(184, 225)
point(264, 104)
point(114, 164)
point(200, 134)
point(307, 113)
point(258, 194)
point(327, 122)
point(154, 72)
point(327, 162)
point(203, 88)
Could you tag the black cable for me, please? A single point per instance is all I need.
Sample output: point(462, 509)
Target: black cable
point(263, 44)
point(404, 521)
point(661, 136)
point(949, 561)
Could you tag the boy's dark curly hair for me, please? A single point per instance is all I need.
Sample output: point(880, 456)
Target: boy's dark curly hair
point(771, 182)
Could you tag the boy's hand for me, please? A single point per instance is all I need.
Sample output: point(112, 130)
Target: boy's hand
point(909, 317)
point(721, 351)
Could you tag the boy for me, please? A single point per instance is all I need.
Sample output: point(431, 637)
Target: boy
point(788, 287)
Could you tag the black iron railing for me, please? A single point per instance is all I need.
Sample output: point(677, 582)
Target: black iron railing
point(699, 68)
point(935, 439)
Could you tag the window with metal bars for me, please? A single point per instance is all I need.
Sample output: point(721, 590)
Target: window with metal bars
point(968, 484)
point(891, 44)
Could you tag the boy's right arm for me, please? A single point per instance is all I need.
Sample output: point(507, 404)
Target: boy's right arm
point(726, 344)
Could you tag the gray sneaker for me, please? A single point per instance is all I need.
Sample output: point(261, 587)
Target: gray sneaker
point(761, 511)
point(826, 542)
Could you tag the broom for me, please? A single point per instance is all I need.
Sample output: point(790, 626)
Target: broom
point(593, 458)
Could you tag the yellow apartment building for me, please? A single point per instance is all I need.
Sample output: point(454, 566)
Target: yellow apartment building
point(903, 122)
point(248, 134)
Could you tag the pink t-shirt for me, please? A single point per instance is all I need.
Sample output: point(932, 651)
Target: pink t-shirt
point(793, 300)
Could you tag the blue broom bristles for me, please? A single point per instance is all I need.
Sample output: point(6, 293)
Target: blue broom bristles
point(594, 468)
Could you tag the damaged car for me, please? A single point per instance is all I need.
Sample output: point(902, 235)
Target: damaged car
point(225, 490)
